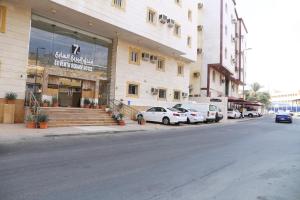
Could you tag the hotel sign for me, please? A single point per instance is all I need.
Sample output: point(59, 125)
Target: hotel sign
point(72, 60)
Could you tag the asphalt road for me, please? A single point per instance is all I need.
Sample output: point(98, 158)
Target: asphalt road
point(254, 160)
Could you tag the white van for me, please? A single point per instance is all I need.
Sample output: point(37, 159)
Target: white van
point(208, 110)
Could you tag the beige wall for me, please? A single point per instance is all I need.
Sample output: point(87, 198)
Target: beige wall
point(147, 76)
point(14, 49)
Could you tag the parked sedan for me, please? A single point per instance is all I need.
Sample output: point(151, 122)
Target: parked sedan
point(193, 116)
point(164, 115)
point(283, 117)
point(233, 113)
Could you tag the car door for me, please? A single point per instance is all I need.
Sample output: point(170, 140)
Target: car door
point(159, 114)
point(149, 114)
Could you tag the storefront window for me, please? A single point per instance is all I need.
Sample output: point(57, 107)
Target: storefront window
point(66, 63)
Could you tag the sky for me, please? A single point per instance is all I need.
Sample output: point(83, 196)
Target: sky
point(274, 36)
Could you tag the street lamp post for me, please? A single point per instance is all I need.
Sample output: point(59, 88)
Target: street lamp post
point(36, 68)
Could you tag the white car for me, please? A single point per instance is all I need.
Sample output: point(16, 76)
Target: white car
point(233, 113)
point(193, 116)
point(251, 113)
point(164, 115)
point(209, 111)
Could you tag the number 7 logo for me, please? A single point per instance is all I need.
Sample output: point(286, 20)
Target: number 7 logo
point(75, 49)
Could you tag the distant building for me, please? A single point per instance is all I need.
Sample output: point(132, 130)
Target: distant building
point(285, 101)
point(221, 63)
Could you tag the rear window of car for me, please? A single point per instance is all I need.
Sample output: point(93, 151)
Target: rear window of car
point(212, 108)
point(173, 109)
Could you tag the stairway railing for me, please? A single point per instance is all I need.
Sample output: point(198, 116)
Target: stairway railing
point(34, 104)
point(117, 106)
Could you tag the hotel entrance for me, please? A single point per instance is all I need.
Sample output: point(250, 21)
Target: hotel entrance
point(69, 92)
point(67, 65)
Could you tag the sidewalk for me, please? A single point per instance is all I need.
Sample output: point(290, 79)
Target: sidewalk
point(11, 133)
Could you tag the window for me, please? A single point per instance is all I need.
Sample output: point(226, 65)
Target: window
point(151, 16)
point(177, 95)
point(118, 3)
point(2, 19)
point(189, 41)
point(226, 53)
point(226, 8)
point(162, 94)
point(134, 56)
point(177, 30)
point(180, 70)
point(221, 81)
point(214, 76)
point(178, 2)
point(132, 89)
point(161, 64)
point(226, 30)
point(190, 15)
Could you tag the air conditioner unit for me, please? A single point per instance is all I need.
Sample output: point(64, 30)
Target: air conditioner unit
point(145, 56)
point(171, 23)
point(154, 91)
point(184, 94)
point(200, 5)
point(163, 18)
point(153, 59)
point(200, 28)
point(196, 74)
point(199, 51)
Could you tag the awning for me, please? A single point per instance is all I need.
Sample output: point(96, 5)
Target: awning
point(241, 101)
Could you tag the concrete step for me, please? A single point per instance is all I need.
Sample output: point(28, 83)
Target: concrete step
point(59, 116)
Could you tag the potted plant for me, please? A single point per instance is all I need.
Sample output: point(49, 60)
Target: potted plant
point(30, 121)
point(43, 119)
point(86, 103)
point(10, 97)
point(120, 120)
point(46, 103)
point(54, 101)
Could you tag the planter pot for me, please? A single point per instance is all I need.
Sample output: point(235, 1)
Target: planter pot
point(10, 101)
point(30, 125)
point(121, 122)
point(43, 125)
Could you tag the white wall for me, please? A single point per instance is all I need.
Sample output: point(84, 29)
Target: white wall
point(133, 19)
point(14, 49)
point(148, 76)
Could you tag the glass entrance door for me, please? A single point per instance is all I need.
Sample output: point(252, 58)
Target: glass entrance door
point(69, 92)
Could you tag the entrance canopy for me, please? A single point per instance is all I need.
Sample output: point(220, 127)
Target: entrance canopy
point(241, 101)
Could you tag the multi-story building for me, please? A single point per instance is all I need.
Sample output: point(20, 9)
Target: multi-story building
point(138, 51)
point(285, 101)
point(220, 68)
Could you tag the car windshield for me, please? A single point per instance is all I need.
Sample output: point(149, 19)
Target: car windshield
point(193, 110)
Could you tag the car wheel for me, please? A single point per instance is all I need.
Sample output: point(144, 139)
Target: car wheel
point(250, 115)
point(217, 118)
point(188, 121)
point(166, 121)
point(234, 116)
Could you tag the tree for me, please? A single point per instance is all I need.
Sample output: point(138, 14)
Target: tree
point(254, 94)
point(255, 87)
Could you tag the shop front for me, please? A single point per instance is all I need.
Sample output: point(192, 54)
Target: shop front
point(67, 64)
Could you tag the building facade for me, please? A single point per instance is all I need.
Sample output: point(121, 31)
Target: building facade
point(136, 51)
point(221, 47)
point(285, 101)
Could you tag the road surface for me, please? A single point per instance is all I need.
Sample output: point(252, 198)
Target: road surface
point(253, 160)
